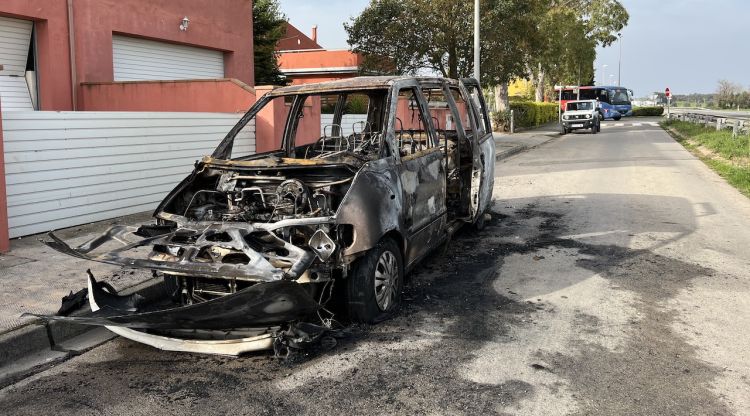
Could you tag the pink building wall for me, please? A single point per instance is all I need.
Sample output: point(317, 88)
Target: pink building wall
point(220, 95)
point(224, 25)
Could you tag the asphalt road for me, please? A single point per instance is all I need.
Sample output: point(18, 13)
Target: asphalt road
point(612, 280)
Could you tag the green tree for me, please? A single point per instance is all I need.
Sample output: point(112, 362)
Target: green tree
point(269, 26)
point(728, 94)
point(382, 34)
point(408, 36)
point(565, 45)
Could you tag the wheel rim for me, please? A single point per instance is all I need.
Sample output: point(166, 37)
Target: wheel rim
point(386, 280)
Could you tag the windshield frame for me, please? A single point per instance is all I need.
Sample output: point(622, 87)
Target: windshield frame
point(287, 145)
point(614, 92)
point(589, 105)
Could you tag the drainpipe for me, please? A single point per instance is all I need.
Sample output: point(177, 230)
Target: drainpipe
point(72, 49)
point(4, 240)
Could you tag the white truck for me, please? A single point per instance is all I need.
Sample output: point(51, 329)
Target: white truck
point(581, 114)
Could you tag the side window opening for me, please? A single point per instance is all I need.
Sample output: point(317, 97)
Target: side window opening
point(483, 122)
point(412, 135)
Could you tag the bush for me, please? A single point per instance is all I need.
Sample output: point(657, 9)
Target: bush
point(532, 114)
point(501, 120)
point(648, 111)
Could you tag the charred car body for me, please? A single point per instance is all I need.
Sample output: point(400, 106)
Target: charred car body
point(249, 245)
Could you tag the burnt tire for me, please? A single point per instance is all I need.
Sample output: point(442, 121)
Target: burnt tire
point(375, 284)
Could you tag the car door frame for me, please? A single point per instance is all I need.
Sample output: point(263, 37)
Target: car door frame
point(422, 179)
point(483, 173)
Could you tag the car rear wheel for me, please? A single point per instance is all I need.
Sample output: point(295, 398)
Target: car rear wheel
point(375, 285)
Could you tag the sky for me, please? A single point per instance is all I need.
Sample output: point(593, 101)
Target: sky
point(686, 45)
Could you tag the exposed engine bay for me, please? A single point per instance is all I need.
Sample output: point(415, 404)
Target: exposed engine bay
point(276, 220)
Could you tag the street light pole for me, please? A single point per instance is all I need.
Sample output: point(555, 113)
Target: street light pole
point(604, 67)
point(619, 62)
point(477, 73)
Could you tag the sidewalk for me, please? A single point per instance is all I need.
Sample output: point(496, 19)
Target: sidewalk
point(507, 145)
point(34, 279)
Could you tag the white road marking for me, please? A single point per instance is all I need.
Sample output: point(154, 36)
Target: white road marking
point(636, 124)
point(653, 124)
point(619, 124)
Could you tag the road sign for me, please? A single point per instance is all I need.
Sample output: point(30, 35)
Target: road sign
point(668, 94)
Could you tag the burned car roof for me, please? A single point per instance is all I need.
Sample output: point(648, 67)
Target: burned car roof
point(370, 82)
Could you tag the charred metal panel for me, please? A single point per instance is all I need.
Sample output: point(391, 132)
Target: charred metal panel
point(487, 159)
point(423, 183)
point(373, 205)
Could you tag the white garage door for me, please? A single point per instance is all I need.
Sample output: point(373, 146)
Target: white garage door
point(143, 60)
point(15, 38)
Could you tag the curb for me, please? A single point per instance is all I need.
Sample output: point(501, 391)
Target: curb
point(523, 147)
point(37, 346)
point(511, 151)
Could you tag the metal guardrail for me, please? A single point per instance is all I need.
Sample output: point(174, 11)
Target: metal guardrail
point(738, 124)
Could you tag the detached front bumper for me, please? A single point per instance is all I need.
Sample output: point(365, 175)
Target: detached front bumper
point(268, 299)
point(249, 320)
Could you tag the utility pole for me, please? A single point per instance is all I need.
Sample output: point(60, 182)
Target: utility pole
point(477, 72)
point(619, 62)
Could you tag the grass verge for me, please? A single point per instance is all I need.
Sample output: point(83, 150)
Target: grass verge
point(728, 156)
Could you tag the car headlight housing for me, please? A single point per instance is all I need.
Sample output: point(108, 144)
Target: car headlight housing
point(565, 117)
point(588, 115)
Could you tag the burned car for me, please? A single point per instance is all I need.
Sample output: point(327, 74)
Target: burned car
point(368, 176)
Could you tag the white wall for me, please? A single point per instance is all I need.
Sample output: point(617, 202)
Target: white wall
point(70, 168)
point(346, 123)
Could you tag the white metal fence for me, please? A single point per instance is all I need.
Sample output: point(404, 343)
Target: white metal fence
point(738, 124)
point(70, 168)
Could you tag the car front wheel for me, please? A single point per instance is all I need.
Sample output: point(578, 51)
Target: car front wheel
point(375, 285)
